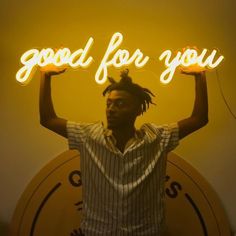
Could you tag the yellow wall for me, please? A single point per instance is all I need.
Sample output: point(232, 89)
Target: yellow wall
point(152, 26)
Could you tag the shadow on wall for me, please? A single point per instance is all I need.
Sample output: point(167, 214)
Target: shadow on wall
point(3, 228)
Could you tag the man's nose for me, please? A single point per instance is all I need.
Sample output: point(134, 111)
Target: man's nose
point(111, 110)
point(111, 107)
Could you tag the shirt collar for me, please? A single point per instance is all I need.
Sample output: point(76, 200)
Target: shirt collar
point(137, 135)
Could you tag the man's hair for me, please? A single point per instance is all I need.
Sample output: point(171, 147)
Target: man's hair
point(125, 83)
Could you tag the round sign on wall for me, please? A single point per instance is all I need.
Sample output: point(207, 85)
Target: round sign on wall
point(52, 203)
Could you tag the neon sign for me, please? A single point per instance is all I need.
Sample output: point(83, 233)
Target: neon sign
point(120, 58)
point(33, 58)
point(188, 58)
point(114, 56)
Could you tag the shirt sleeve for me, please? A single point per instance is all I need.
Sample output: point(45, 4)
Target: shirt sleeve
point(75, 134)
point(169, 136)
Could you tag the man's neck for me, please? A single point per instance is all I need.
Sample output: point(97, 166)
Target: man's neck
point(122, 135)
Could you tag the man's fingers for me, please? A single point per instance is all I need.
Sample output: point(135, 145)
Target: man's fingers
point(63, 70)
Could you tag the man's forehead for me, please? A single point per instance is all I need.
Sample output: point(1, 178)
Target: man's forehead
point(120, 94)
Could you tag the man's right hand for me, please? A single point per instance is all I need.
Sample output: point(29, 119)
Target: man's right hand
point(50, 70)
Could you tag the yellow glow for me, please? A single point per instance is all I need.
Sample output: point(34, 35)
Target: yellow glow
point(119, 59)
point(187, 59)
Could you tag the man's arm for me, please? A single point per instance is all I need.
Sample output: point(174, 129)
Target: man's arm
point(48, 117)
point(199, 117)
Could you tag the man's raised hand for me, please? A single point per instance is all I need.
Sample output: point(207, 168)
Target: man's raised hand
point(51, 69)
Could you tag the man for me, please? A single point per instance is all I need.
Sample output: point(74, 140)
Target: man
point(123, 169)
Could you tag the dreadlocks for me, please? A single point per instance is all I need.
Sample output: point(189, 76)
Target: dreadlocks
point(125, 83)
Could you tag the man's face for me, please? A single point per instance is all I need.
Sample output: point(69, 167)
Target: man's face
point(122, 109)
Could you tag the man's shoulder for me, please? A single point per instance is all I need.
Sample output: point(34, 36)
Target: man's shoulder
point(151, 127)
point(158, 129)
point(85, 126)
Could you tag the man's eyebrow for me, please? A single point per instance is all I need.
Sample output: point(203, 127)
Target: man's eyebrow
point(117, 99)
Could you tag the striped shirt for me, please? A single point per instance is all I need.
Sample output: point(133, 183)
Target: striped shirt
point(123, 193)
